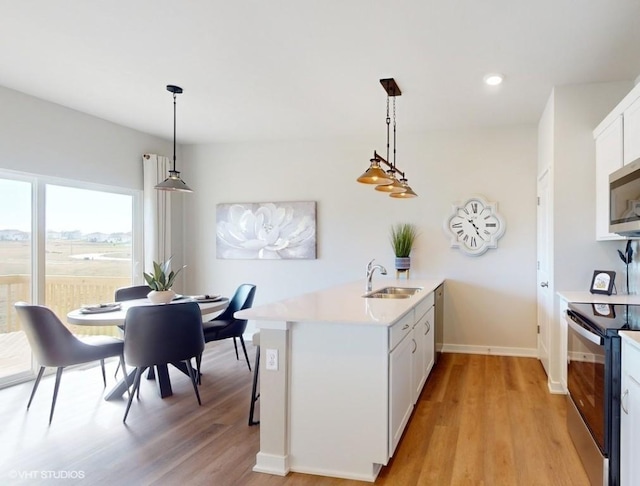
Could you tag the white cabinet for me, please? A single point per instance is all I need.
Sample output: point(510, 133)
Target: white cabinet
point(630, 410)
point(400, 388)
point(609, 157)
point(411, 357)
point(632, 132)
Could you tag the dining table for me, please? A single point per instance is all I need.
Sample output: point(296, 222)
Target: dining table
point(115, 313)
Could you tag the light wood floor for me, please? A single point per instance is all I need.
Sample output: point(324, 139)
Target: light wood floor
point(481, 420)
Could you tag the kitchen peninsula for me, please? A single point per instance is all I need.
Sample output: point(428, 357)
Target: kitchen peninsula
point(339, 376)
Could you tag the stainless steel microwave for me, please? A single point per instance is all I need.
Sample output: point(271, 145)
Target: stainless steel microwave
point(624, 200)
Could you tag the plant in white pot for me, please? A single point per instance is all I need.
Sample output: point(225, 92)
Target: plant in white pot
point(160, 282)
point(402, 237)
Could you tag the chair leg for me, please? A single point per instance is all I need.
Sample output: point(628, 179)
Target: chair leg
point(244, 348)
point(198, 363)
point(115, 375)
point(55, 392)
point(104, 376)
point(235, 345)
point(254, 389)
point(121, 364)
point(192, 375)
point(136, 386)
point(35, 386)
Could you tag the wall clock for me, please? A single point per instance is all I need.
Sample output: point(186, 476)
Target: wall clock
point(474, 225)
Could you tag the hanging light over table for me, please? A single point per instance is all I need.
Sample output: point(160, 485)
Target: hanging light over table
point(388, 181)
point(174, 182)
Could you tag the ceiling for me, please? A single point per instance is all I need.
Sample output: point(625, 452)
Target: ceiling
point(290, 69)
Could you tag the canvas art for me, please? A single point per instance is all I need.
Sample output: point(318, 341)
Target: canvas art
point(266, 231)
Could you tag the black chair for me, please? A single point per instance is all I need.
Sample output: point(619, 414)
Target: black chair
point(162, 334)
point(131, 293)
point(54, 345)
point(226, 326)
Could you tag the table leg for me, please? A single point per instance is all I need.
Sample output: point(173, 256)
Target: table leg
point(163, 380)
point(121, 387)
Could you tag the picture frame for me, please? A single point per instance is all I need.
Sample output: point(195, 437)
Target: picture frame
point(604, 310)
point(603, 282)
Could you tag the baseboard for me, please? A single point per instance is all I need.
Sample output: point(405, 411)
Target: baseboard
point(556, 388)
point(271, 464)
point(495, 350)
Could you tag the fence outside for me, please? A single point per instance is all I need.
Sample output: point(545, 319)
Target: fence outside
point(62, 294)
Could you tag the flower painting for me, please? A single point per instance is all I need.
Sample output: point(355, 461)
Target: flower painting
point(266, 231)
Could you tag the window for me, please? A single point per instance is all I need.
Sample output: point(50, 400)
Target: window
point(86, 241)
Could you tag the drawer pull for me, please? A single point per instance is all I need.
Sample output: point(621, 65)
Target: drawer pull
point(415, 346)
point(428, 324)
point(406, 326)
point(624, 395)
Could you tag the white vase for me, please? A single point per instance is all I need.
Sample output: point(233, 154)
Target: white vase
point(161, 296)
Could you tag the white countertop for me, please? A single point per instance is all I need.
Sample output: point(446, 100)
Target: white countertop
point(588, 297)
point(344, 304)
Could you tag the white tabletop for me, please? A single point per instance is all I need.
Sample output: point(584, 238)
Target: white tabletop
point(116, 318)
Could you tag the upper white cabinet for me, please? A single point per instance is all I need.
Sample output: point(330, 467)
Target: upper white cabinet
point(632, 132)
point(608, 159)
point(617, 143)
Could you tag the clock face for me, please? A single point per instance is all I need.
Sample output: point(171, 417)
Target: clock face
point(475, 226)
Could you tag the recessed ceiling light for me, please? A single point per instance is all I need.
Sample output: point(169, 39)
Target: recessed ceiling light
point(493, 79)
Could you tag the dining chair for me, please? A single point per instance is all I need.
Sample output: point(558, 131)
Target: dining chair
point(226, 326)
point(55, 346)
point(162, 334)
point(131, 293)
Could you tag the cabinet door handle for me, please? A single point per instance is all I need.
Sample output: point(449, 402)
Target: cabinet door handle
point(415, 346)
point(544, 284)
point(624, 395)
point(406, 326)
point(428, 324)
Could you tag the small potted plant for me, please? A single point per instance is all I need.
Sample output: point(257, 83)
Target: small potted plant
point(402, 237)
point(160, 282)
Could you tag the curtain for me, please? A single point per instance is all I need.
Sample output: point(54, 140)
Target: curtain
point(157, 211)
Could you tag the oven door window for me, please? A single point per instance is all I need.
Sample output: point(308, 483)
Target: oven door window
point(585, 378)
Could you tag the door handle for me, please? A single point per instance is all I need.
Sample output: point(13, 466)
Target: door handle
point(624, 395)
point(544, 284)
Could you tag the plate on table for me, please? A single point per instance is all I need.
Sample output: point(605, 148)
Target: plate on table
point(100, 308)
point(207, 298)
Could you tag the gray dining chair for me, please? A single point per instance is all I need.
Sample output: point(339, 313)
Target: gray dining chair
point(130, 293)
point(55, 346)
point(162, 334)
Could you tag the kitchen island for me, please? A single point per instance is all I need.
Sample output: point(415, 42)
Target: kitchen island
point(339, 375)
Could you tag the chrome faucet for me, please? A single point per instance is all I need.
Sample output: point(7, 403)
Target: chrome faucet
point(372, 268)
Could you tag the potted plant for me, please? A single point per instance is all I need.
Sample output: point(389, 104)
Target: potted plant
point(160, 282)
point(402, 237)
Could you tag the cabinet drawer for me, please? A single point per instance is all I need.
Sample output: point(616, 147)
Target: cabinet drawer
point(423, 307)
point(400, 329)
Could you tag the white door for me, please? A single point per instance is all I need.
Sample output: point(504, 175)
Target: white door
point(544, 294)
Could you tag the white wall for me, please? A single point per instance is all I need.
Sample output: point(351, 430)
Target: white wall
point(490, 300)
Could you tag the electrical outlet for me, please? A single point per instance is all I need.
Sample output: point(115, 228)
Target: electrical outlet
point(272, 359)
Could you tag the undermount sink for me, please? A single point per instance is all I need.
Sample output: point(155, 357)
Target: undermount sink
point(393, 293)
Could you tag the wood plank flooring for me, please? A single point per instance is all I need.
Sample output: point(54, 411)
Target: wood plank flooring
point(481, 420)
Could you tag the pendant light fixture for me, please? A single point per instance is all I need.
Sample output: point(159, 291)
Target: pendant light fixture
point(173, 182)
point(393, 181)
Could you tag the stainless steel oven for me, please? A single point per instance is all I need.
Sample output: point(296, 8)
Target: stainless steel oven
point(593, 380)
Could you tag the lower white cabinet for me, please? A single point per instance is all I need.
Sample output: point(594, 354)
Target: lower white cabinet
point(411, 357)
point(400, 389)
point(630, 411)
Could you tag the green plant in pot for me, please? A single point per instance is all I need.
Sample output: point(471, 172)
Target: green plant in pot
point(161, 281)
point(402, 237)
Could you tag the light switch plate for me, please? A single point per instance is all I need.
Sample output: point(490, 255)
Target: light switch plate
point(272, 359)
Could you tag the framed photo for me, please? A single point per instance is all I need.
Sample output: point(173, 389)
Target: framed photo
point(603, 282)
point(604, 310)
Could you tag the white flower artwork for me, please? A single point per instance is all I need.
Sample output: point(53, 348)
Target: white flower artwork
point(266, 231)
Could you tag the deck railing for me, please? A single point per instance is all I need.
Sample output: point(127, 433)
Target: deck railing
point(62, 294)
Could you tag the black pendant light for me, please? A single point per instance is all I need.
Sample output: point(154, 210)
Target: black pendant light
point(173, 182)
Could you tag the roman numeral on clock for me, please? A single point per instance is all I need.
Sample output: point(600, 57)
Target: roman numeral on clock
point(456, 225)
point(474, 207)
point(491, 225)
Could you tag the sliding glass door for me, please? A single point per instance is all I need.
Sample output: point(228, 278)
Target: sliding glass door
point(15, 275)
point(63, 244)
